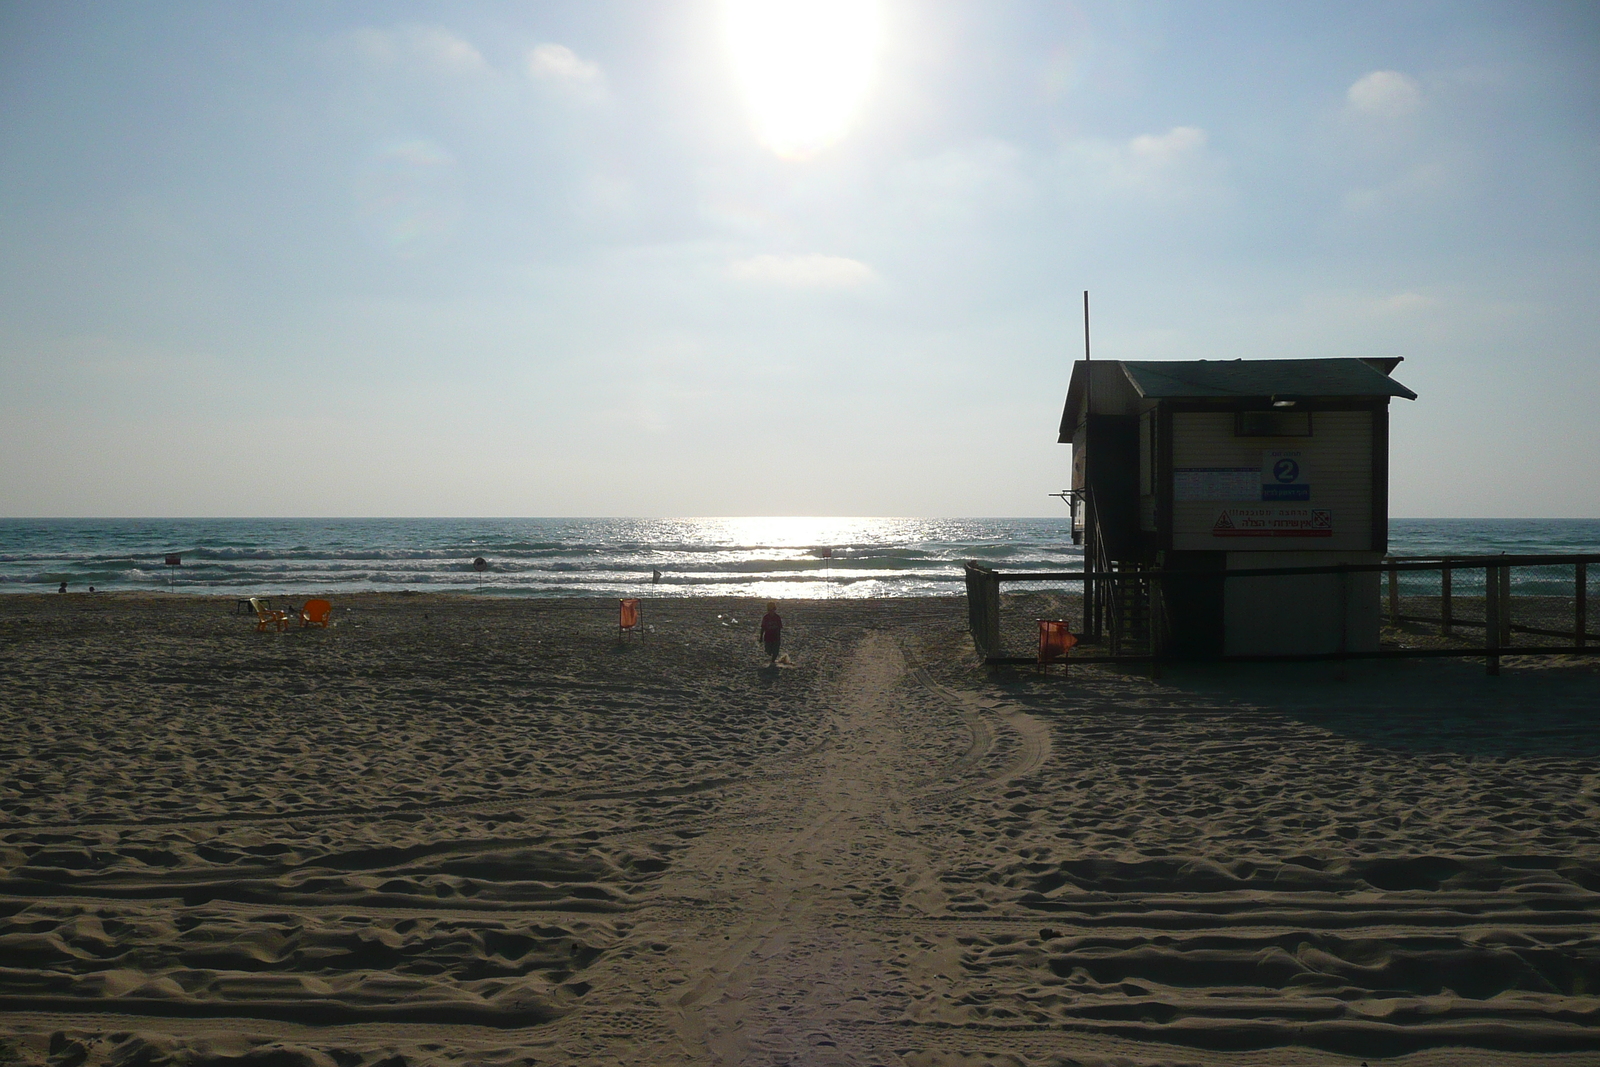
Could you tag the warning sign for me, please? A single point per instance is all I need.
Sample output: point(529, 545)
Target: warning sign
point(1273, 522)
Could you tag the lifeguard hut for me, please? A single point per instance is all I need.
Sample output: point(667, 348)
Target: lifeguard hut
point(1207, 466)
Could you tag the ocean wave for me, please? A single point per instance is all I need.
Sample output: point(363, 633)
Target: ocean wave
point(877, 557)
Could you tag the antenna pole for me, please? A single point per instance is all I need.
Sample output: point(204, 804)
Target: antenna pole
point(1086, 325)
point(1091, 520)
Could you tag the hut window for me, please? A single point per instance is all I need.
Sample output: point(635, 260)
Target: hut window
point(1272, 424)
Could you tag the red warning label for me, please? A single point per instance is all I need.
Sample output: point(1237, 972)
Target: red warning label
point(1273, 522)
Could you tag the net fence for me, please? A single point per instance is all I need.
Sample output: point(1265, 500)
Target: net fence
point(1428, 605)
point(1540, 604)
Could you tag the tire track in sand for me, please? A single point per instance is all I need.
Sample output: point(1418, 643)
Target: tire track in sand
point(1032, 734)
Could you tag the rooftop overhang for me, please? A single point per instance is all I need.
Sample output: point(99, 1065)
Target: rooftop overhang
point(1229, 383)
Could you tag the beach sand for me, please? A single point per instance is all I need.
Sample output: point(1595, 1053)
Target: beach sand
point(481, 831)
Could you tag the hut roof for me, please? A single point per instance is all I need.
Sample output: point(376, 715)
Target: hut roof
point(1264, 377)
point(1233, 378)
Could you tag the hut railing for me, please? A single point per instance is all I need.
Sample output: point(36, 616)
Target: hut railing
point(1472, 592)
point(1411, 601)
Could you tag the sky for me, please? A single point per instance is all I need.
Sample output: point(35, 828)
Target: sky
point(703, 258)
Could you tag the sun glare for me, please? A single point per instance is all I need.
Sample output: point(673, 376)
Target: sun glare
point(804, 66)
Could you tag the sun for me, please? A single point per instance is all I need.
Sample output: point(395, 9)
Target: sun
point(804, 66)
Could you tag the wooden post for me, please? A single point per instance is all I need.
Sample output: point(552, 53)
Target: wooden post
point(1158, 626)
point(1394, 596)
point(1091, 561)
point(992, 610)
point(983, 608)
point(1491, 618)
point(1505, 606)
point(1580, 605)
point(1344, 608)
point(1444, 599)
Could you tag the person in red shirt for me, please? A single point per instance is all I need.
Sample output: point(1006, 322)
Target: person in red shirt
point(771, 632)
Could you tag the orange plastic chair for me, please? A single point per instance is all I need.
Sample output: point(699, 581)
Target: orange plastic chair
point(266, 617)
point(1055, 641)
point(628, 618)
point(315, 613)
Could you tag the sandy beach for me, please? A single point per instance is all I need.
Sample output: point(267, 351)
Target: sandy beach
point(482, 831)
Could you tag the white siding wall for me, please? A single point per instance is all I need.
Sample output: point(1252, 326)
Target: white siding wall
point(1338, 456)
point(1300, 614)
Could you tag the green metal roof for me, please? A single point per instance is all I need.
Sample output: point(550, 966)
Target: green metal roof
point(1261, 377)
point(1247, 379)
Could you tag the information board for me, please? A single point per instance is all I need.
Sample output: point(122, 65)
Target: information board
point(1216, 483)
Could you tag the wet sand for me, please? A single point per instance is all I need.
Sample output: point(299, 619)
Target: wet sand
point(482, 831)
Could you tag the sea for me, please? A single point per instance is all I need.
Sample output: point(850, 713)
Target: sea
point(756, 557)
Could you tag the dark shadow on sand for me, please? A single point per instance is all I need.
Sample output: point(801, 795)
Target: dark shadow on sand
point(1534, 708)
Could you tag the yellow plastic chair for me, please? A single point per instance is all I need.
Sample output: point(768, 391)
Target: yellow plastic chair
point(315, 613)
point(266, 617)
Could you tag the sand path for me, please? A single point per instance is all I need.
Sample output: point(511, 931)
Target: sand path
point(794, 969)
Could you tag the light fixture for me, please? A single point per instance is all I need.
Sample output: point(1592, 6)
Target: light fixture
point(1277, 403)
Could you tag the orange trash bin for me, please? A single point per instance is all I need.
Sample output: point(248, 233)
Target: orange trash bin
point(1055, 641)
point(627, 618)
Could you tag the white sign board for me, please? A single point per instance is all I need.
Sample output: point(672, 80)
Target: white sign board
point(1216, 483)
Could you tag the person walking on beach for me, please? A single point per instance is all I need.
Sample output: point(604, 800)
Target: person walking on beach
point(771, 632)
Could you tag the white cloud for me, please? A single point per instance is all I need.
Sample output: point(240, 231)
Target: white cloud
point(1160, 166)
point(989, 170)
point(1167, 149)
point(1402, 303)
point(609, 196)
point(431, 48)
point(963, 187)
point(1424, 184)
point(1348, 305)
point(814, 271)
point(1384, 94)
point(558, 63)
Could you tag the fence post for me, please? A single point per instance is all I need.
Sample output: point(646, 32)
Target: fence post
point(1580, 605)
point(1505, 605)
point(1394, 595)
point(1444, 600)
point(1091, 563)
point(991, 603)
point(1491, 618)
point(1344, 608)
point(983, 608)
point(1158, 623)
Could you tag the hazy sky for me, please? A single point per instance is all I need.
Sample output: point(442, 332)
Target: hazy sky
point(656, 258)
